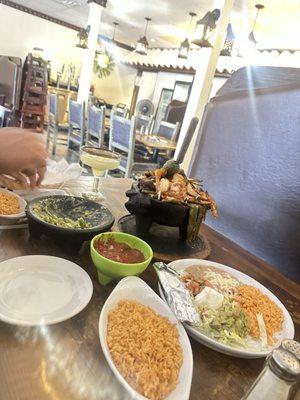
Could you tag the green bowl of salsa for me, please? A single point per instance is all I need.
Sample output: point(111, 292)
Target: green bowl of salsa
point(118, 254)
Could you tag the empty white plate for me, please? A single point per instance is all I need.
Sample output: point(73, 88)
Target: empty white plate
point(37, 290)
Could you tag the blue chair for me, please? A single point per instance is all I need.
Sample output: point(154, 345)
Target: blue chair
point(168, 131)
point(143, 122)
point(122, 140)
point(95, 126)
point(76, 134)
point(120, 110)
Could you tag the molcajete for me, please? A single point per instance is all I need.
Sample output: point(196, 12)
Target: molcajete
point(148, 210)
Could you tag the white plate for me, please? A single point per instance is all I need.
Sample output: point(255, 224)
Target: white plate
point(38, 290)
point(133, 288)
point(12, 218)
point(288, 331)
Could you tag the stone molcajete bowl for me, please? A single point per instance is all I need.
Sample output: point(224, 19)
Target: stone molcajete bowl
point(148, 210)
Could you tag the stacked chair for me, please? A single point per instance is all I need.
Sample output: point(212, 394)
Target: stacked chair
point(35, 94)
point(122, 140)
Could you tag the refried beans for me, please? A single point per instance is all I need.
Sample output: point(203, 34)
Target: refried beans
point(120, 252)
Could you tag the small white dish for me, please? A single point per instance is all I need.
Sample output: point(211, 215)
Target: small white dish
point(42, 290)
point(12, 218)
point(288, 330)
point(134, 288)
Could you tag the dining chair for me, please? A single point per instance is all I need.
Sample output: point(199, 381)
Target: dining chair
point(95, 125)
point(143, 122)
point(122, 140)
point(143, 125)
point(76, 133)
point(120, 111)
point(168, 131)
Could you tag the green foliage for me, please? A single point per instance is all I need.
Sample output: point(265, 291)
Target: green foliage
point(104, 64)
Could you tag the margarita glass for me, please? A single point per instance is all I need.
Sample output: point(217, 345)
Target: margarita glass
point(100, 160)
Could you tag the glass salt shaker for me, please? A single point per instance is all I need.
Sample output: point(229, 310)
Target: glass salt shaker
point(278, 378)
point(292, 346)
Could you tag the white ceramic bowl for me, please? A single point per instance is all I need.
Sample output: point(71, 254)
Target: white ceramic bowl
point(134, 288)
point(288, 330)
point(12, 218)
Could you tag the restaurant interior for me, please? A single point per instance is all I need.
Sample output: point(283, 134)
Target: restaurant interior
point(171, 128)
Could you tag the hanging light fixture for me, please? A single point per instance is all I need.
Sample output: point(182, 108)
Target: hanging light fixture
point(228, 44)
point(142, 44)
point(251, 34)
point(185, 45)
point(205, 28)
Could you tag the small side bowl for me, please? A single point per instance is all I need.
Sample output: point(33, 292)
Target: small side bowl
point(12, 218)
point(108, 269)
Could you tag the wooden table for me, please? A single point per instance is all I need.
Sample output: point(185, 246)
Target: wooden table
point(65, 361)
point(156, 143)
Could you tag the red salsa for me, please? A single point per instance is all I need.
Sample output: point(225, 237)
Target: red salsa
point(119, 252)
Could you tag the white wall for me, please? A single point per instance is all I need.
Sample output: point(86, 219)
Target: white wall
point(21, 32)
point(118, 86)
point(166, 80)
point(147, 85)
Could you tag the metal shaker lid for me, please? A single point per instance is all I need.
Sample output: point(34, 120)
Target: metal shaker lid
point(285, 365)
point(292, 346)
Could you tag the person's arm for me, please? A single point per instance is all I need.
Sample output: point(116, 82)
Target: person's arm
point(22, 155)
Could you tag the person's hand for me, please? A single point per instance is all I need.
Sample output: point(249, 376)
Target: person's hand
point(22, 155)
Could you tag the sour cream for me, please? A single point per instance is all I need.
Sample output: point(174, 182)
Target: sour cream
point(209, 297)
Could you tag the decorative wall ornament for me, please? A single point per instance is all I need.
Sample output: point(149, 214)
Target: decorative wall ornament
point(205, 28)
point(104, 63)
point(82, 37)
point(228, 44)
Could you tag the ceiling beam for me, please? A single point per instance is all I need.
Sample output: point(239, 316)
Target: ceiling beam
point(39, 14)
point(99, 2)
point(58, 21)
point(175, 70)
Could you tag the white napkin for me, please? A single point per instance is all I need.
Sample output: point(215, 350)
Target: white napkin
point(59, 172)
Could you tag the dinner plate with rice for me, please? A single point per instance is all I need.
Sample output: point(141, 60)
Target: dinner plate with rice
point(12, 207)
point(145, 346)
point(238, 316)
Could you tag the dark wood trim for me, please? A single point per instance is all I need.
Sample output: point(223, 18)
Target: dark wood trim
point(148, 68)
point(119, 44)
point(35, 13)
point(224, 74)
point(135, 94)
point(177, 70)
point(76, 28)
point(291, 51)
point(99, 2)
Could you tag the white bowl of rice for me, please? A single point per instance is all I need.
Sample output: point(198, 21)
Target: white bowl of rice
point(12, 207)
point(147, 348)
